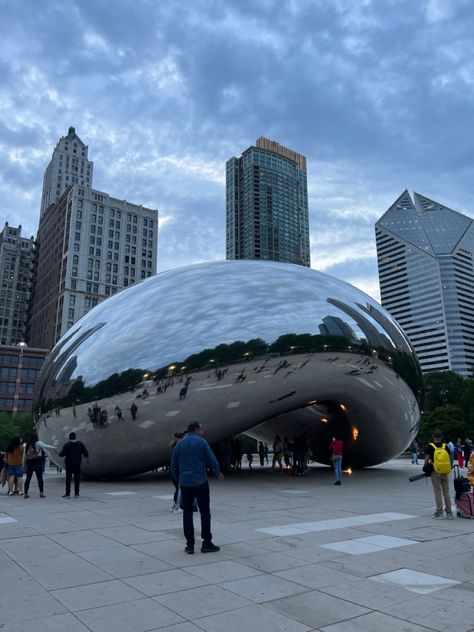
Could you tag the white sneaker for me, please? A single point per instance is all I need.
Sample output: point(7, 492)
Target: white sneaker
point(437, 515)
point(178, 510)
point(449, 515)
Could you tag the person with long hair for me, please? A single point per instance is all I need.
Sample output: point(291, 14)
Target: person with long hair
point(14, 460)
point(33, 462)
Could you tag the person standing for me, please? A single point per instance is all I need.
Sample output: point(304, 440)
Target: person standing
point(133, 411)
point(188, 466)
point(14, 460)
point(261, 453)
point(73, 451)
point(336, 446)
point(34, 463)
point(414, 452)
point(438, 461)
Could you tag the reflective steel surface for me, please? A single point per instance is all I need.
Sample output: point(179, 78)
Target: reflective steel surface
point(252, 346)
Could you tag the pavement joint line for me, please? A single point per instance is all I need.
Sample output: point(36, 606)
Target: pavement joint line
point(336, 523)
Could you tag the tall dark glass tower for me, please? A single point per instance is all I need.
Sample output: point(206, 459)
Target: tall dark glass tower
point(426, 271)
point(267, 205)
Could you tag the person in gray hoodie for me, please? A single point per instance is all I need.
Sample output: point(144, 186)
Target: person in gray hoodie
point(73, 451)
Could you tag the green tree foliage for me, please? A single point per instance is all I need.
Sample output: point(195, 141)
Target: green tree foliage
point(444, 387)
point(449, 406)
point(12, 426)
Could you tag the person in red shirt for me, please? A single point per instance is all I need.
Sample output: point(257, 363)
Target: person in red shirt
point(335, 448)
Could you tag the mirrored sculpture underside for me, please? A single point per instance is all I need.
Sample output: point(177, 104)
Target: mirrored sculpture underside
point(242, 346)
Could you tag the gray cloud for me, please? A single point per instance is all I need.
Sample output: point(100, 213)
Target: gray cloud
point(378, 95)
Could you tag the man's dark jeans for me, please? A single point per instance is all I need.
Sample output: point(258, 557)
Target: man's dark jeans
point(201, 494)
point(73, 470)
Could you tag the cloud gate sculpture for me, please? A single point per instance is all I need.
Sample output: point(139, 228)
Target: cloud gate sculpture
point(261, 347)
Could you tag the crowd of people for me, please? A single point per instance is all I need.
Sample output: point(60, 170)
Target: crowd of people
point(28, 458)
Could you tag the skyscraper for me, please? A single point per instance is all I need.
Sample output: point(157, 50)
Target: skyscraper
point(426, 271)
point(267, 205)
point(90, 245)
point(16, 276)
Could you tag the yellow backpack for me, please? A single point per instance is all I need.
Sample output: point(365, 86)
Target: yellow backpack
point(441, 460)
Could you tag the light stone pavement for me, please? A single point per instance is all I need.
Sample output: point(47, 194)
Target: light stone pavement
point(298, 554)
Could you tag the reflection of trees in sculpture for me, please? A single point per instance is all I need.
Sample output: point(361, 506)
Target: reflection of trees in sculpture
point(112, 385)
point(227, 354)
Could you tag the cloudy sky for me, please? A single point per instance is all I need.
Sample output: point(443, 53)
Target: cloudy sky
point(379, 95)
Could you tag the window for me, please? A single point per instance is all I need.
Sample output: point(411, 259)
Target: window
point(77, 236)
point(73, 284)
point(71, 313)
point(72, 299)
point(112, 212)
point(96, 288)
point(115, 268)
point(97, 252)
point(107, 290)
point(108, 266)
point(78, 225)
point(117, 225)
point(74, 272)
point(96, 276)
point(91, 250)
point(75, 259)
point(88, 287)
point(145, 222)
point(79, 214)
point(76, 247)
point(97, 264)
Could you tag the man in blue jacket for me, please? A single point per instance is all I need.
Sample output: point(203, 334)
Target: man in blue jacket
point(188, 466)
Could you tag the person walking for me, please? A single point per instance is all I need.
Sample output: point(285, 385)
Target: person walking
point(73, 451)
point(133, 411)
point(190, 457)
point(261, 453)
point(33, 462)
point(438, 466)
point(336, 446)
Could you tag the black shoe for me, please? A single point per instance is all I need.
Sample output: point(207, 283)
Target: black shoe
point(209, 547)
point(337, 483)
point(189, 550)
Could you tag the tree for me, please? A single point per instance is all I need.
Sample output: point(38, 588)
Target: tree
point(12, 426)
point(443, 387)
point(449, 419)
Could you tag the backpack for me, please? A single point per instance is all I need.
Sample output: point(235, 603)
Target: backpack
point(441, 460)
point(31, 454)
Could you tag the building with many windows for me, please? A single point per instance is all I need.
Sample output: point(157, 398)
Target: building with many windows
point(90, 245)
point(20, 366)
point(267, 205)
point(16, 277)
point(426, 271)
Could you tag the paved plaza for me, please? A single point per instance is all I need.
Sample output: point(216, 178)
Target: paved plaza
point(298, 554)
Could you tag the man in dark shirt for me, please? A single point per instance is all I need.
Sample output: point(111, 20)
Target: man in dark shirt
point(188, 466)
point(440, 482)
point(73, 451)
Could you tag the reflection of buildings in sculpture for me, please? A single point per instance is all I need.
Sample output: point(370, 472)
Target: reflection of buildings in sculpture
point(267, 205)
point(335, 326)
point(17, 256)
point(373, 336)
point(269, 384)
point(20, 367)
point(426, 272)
point(91, 245)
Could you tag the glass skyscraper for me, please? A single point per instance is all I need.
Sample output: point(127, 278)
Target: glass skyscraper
point(426, 272)
point(267, 205)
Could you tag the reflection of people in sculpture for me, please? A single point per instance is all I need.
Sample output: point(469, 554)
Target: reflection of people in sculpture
point(133, 411)
point(183, 392)
point(118, 413)
point(261, 453)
